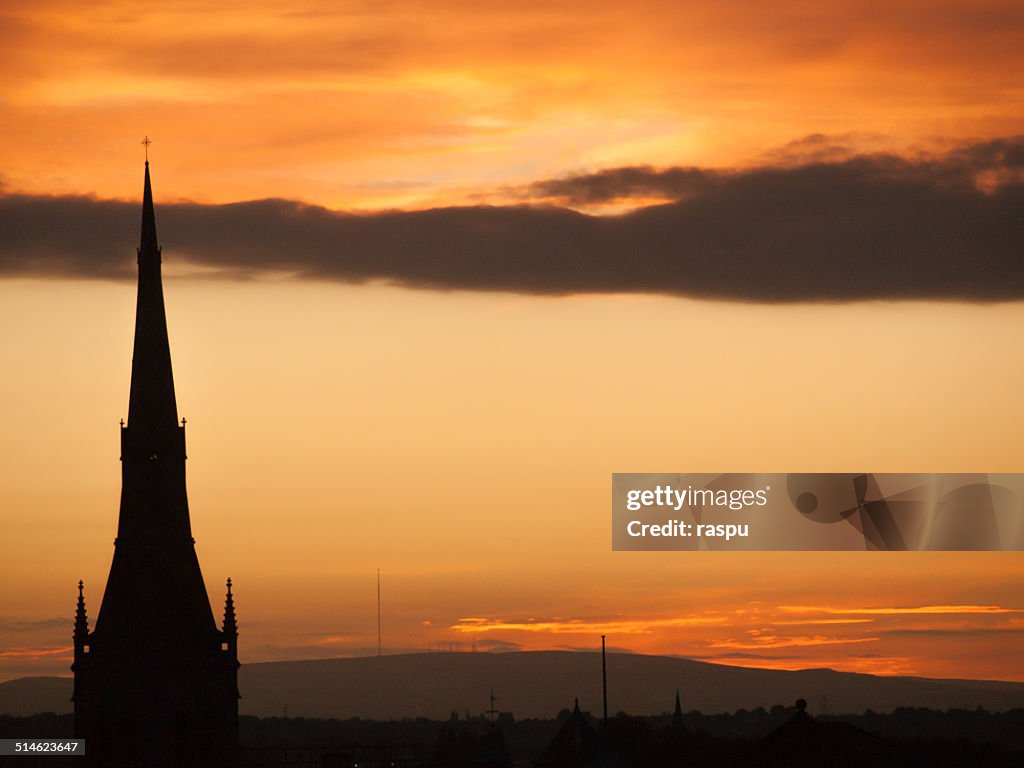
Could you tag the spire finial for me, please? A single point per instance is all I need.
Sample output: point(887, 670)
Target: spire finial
point(146, 142)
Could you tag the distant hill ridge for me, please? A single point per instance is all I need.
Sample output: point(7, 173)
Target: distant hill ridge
point(540, 683)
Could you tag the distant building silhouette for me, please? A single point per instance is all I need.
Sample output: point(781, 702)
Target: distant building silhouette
point(156, 680)
point(807, 741)
point(573, 745)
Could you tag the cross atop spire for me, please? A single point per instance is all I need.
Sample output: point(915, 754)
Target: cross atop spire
point(146, 142)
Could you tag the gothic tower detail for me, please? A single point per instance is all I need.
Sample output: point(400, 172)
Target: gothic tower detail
point(155, 680)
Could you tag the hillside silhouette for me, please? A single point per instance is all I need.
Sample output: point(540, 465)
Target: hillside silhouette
point(539, 683)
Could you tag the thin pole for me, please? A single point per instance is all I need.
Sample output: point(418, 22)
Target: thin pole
point(492, 712)
point(378, 612)
point(604, 681)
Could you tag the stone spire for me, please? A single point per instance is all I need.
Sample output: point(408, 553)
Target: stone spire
point(155, 680)
point(230, 629)
point(155, 596)
point(152, 410)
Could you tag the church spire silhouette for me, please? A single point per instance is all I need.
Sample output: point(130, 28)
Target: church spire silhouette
point(152, 410)
point(155, 592)
point(156, 680)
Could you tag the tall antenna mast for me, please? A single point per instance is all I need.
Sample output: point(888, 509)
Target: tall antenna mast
point(604, 682)
point(378, 612)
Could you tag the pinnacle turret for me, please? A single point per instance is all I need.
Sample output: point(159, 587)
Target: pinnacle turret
point(81, 620)
point(230, 624)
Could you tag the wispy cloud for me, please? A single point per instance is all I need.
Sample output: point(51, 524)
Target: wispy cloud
point(799, 641)
point(494, 644)
point(961, 632)
point(930, 610)
point(585, 626)
point(814, 622)
point(29, 654)
point(872, 664)
point(34, 625)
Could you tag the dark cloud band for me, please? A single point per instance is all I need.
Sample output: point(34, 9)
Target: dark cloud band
point(863, 227)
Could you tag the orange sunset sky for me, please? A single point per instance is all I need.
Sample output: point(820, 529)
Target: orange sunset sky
point(500, 252)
